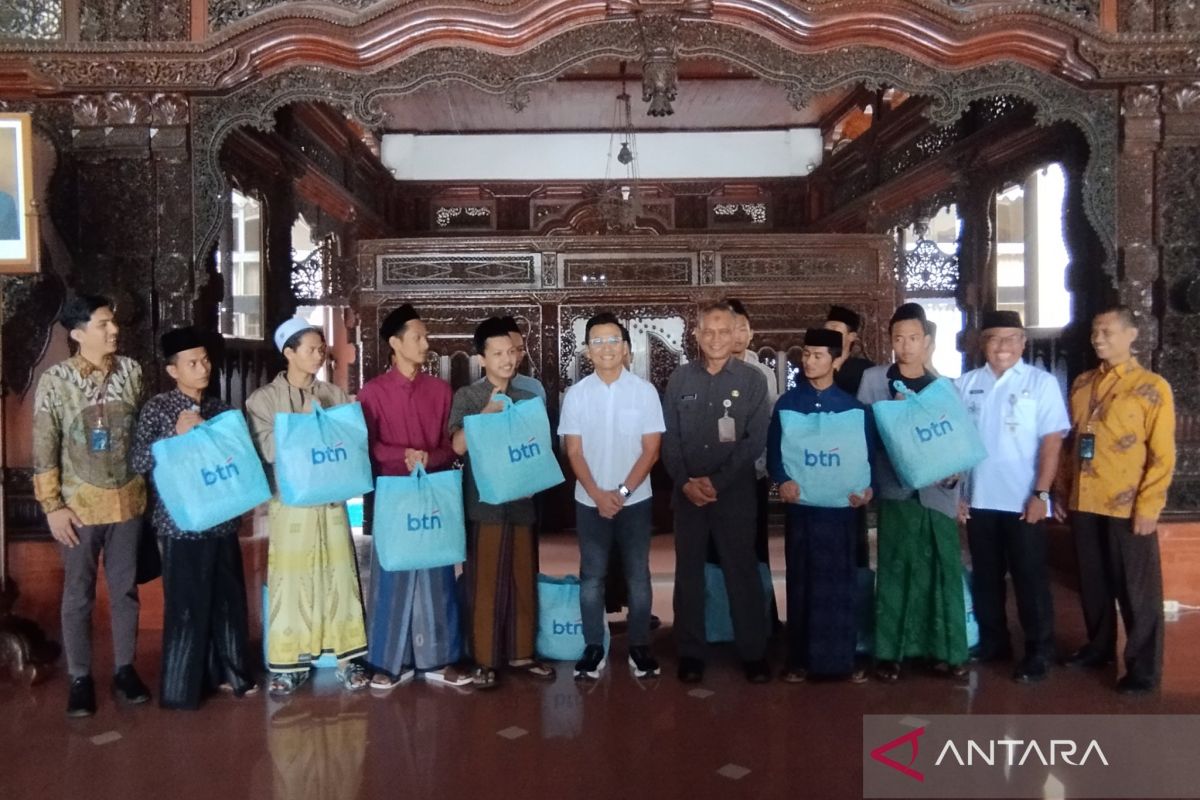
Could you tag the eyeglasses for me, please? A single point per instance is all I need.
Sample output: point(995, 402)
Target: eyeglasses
point(599, 342)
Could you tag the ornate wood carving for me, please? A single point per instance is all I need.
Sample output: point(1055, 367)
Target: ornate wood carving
point(134, 20)
point(224, 13)
point(31, 19)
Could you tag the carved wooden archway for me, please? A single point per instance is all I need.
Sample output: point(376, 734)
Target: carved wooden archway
point(805, 52)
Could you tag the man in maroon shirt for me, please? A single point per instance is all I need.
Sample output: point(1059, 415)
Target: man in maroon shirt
point(412, 617)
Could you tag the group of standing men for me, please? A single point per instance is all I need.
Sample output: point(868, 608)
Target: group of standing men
point(1106, 466)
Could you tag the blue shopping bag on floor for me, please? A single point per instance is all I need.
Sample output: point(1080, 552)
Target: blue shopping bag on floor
point(560, 621)
point(419, 521)
point(928, 435)
point(322, 457)
point(826, 454)
point(210, 474)
point(511, 454)
point(718, 621)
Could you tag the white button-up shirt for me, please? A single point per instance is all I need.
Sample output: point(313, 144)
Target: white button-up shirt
point(1013, 413)
point(611, 419)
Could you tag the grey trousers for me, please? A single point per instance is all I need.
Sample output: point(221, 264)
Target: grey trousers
point(119, 544)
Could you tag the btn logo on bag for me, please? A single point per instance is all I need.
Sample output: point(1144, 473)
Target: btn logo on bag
point(426, 522)
point(220, 472)
point(936, 429)
point(330, 455)
point(822, 458)
point(559, 628)
point(529, 449)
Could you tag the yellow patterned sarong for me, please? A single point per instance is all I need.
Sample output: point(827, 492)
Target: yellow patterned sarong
point(313, 590)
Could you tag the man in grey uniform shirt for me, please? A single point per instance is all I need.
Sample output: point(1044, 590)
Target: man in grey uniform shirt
point(716, 415)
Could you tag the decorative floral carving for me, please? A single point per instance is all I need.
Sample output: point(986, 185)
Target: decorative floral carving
point(1183, 98)
point(80, 71)
point(169, 109)
point(1182, 15)
point(463, 217)
point(31, 19)
point(223, 13)
point(928, 270)
point(1089, 9)
point(660, 74)
point(134, 20)
point(1137, 62)
point(1140, 101)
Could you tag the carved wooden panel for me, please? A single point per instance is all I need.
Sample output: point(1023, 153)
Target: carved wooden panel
point(440, 271)
point(635, 269)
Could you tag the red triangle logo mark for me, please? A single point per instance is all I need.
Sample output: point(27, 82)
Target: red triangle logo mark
point(909, 738)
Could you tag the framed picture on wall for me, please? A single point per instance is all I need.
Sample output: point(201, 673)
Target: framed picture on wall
point(18, 218)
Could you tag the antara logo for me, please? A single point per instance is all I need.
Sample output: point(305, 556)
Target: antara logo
point(330, 455)
point(220, 472)
point(910, 739)
point(936, 429)
point(1015, 752)
point(523, 451)
point(822, 458)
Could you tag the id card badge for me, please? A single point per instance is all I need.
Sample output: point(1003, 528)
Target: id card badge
point(98, 440)
point(726, 429)
point(1087, 447)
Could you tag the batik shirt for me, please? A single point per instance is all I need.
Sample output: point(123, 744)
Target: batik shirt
point(75, 399)
point(156, 422)
point(1131, 412)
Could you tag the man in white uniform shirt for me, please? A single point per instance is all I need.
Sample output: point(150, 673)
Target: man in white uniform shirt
point(612, 424)
point(1021, 415)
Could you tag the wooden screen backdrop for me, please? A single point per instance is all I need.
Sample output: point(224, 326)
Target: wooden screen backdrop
point(655, 285)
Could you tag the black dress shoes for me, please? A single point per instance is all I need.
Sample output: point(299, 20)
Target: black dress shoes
point(1133, 685)
point(129, 686)
point(81, 701)
point(1031, 670)
point(757, 671)
point(691, 670)
point(1087, 659)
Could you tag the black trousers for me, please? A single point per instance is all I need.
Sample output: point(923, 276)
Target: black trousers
point(204, 619)
point(1118, 566)
point(730, 524)
point(1001, 543)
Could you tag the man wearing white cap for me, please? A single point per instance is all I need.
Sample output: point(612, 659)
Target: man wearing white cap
point(312, 576)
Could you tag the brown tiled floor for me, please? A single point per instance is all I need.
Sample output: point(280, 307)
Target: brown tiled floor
point(614, 738)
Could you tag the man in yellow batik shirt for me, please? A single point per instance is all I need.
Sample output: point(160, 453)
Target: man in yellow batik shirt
point(1114, 481)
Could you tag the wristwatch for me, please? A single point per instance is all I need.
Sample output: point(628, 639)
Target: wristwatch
point(1041, 495)
point(623, 490)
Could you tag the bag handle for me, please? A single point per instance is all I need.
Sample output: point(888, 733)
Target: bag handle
point(419, 473)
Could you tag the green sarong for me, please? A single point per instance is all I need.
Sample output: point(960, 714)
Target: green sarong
point(919, 608)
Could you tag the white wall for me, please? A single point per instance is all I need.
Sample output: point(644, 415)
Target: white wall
point(585, 156)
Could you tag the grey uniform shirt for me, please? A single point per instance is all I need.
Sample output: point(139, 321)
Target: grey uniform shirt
point(693, 402)
point(472, 399)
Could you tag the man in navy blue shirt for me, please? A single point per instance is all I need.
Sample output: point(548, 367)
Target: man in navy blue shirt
point(821, 533)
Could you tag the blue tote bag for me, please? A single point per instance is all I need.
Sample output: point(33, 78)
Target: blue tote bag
point(419, 520)
point(210, 474)
point(322, 457)
point(826, 453)
point(510, 451)
point(718, 619)
point(560, 621)
point(928, 435)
